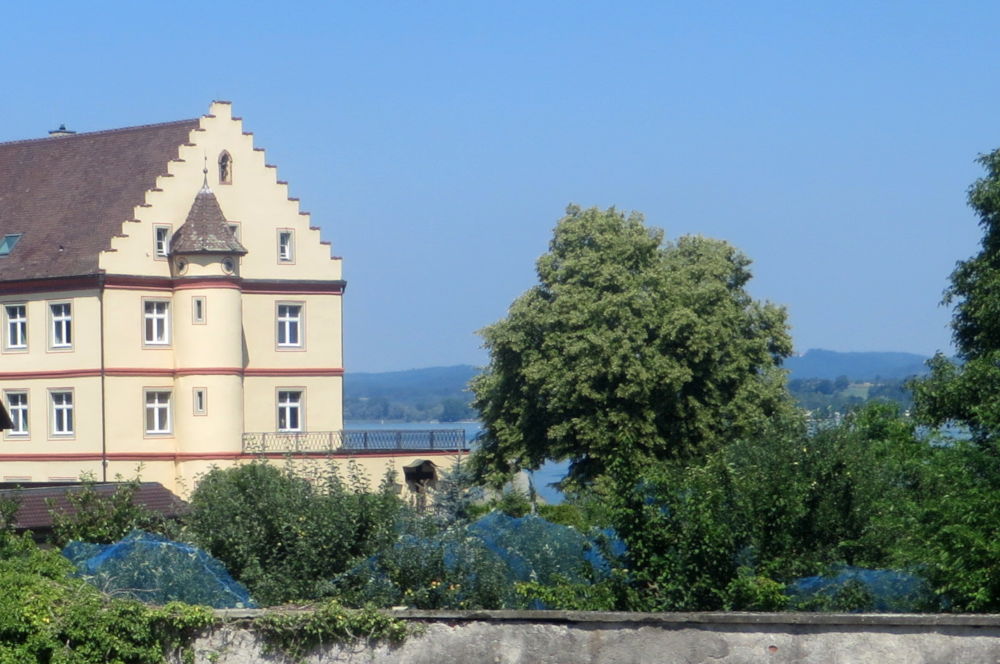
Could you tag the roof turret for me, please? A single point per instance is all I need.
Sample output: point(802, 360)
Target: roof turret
point(206, 230)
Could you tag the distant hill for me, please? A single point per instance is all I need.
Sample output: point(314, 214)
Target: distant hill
point(441, 393)
point(435, 393)
point(828, 364)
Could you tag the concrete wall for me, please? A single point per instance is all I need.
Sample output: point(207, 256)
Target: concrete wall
point(557, 637)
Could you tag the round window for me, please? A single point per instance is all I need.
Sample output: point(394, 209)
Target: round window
point(228, 265)
point(182, 266)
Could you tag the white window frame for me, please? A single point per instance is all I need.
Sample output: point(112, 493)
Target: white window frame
point(289, 324)
point(60, 325)
point(286, 245)
point(161, 241)
point(290, 412)
point(156, 322)
point(62, 419)
point(18, 414)
point(16, 328)
point(199, 401)
point(199, 302)
point(157, 411)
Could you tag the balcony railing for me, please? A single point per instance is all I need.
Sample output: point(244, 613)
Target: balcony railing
point(355, 441)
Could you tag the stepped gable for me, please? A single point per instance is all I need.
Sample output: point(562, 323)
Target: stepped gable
point(69, 195)
point(206, 230)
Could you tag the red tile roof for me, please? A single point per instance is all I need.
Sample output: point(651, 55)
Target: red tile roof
point(68, 195)
point(33, 511)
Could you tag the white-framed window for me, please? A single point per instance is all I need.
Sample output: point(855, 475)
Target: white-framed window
point(289, 325)
point(17, 407)
point(289, 410)
point(199, 314)
point(199, 401)
point(286, 245)
point(61, 317)
point(158, 419)
point(234, 226)
point(16, 337)
point(62, 412)
point(161, 240)
point(156, 319)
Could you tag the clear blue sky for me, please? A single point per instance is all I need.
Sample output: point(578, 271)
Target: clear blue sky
point(437, 143)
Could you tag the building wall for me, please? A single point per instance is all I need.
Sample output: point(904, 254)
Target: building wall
point(231, 356)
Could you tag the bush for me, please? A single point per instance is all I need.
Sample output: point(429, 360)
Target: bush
point(281, 533)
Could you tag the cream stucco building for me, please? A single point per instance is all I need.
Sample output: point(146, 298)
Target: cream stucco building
point(164, 303)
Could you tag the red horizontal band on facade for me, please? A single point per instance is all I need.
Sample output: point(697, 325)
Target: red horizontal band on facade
point(163, 284)
point(258, 373)
point(221, 456)
point(40, 375)
point(26, 286)
point(155, 372)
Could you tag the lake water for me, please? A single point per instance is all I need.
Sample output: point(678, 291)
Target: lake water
point(542, 479)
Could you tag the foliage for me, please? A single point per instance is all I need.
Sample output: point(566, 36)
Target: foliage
point(281, 533)
point(732, 528)
point(155, 570)
point(296, 634)
point(952, 538)
point(428, 567)
point(102, 518)
point(968, 392)
point(47, 615)
point(857, 590)
point(627, 349)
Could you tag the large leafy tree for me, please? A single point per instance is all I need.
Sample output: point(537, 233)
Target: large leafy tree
point(969, 391)
point(955, 537)
point(628, 350)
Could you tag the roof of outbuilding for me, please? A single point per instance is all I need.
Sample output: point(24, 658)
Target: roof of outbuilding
point(206, 230)
point(33, 501)
point(68, 195)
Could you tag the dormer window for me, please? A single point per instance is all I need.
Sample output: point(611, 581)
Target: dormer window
point(161, 238)
point(225, 168)
point(8, 242)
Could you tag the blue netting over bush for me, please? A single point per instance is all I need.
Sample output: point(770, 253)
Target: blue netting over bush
point(153, 569)
point(534, 549)
point(476, 566)
point(858, 589)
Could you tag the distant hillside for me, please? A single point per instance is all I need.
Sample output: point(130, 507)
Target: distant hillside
point(858, 367)
point(441, 393)
point(435, 393)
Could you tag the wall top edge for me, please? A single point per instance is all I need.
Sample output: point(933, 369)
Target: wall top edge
point(670, 618)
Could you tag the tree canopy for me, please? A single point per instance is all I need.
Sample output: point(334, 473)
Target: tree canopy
point(628, 349)
point(968, 392)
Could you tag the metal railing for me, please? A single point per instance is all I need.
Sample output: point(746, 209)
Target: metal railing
point(354, 440)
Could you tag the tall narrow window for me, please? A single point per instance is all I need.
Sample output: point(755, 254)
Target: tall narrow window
point(61, 315)
point(17, 405)
point(157, 322)
point(199, 401)
point(17, 326)
point(225, 168)
point(198, 309)
point(286, 248)
point(289, 410)
point(289, 325)
point(161, 238)
point(62, 413)
point(157, 412)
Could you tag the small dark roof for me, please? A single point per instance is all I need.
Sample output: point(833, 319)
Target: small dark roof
point(68, 195)
point(33, 512)
point(206, 230)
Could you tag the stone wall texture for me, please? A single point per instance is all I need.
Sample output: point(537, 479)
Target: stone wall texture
point(569, 637)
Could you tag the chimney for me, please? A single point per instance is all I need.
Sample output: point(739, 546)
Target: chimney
point(61, 131)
